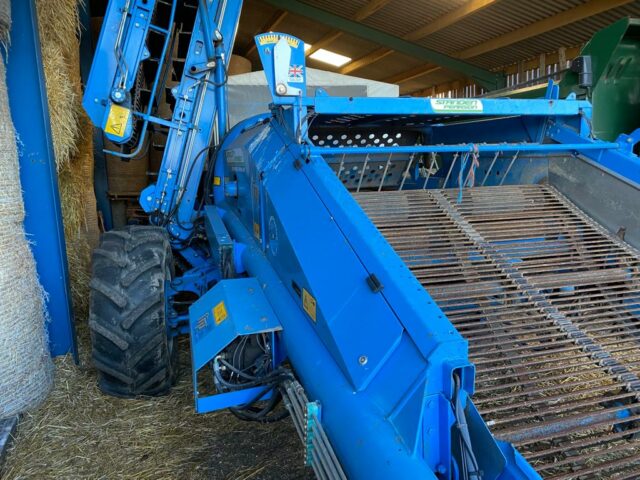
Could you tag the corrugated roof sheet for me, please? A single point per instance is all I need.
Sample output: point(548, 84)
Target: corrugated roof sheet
point(400, 17)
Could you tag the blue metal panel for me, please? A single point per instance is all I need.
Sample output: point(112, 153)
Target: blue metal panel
point(285, 71)
point(372, 444)
point(43, 221)
point(620, 161)
point(221, 243)
point(231, 309)
point(331, 262)
point(325, 105)
point(469, 147)
point(305, 266)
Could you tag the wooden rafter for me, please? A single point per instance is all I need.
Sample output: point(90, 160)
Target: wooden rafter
point(275, 20)
point(363, 12)
point(559, 57)
point(415, 72)
point(586, 10)
point(440, 23)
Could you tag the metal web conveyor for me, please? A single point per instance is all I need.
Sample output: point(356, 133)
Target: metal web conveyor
point(550, 304)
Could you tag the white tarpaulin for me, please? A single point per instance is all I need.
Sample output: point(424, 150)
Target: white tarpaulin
point(249, 95)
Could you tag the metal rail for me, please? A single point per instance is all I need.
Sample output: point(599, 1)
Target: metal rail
point(550, 304)
point(305, 415)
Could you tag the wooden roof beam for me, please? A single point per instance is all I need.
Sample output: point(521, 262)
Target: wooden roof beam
point(489, 80)
point(440, 23)
point(412, 73)
point(448, 19)
point(275, 20)
point(586, 10)
point(562, 55)
point(369, 58)
point(363, 12)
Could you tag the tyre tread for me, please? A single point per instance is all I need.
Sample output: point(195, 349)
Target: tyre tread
point(130, 343)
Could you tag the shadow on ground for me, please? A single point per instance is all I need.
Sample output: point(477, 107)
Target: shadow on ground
point(79, 433)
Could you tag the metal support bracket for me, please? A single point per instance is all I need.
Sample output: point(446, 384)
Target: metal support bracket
point(43, 220)
point(306, 416)
point(231, 309)
point(313, 423)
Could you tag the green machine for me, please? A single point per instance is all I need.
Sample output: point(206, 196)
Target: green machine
point(607, 72)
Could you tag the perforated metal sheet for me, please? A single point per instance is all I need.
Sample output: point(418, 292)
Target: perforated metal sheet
point(362, 172)
point(550, 304)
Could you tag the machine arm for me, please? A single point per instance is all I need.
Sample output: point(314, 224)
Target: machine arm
point(199, 117)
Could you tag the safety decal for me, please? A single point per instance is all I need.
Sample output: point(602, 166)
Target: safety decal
point(270, 39)
point(256, 230)
point(202, 322)
point(296, 74)
point(456, 105)
point(309, 304)
point(220, 313)
point(117, 120)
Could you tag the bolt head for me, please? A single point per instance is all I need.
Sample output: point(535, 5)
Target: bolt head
point(363, 360)
point(281, 89)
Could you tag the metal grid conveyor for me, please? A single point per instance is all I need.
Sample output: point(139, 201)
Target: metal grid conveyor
point(550, 304)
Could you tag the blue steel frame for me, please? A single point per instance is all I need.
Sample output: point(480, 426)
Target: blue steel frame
point(200, 115)
point(617, 156)
point(386, 358)
point(43, 220)
point(245, 311)
point(363, 355)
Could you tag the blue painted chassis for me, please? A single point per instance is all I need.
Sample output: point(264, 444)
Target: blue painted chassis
point(38, 176)
point(380, 363)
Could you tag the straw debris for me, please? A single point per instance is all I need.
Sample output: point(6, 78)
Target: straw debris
point(72, 134)
point(79, 433)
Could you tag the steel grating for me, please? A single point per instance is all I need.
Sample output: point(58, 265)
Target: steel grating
point(550, 304)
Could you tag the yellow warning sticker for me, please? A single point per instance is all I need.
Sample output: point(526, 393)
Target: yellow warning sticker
point(217, 181)
point(309, 304)
point(256, 230)
point(117, 120)
point(220, 313)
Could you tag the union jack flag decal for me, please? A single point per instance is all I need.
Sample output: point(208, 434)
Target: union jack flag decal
point(296, 74)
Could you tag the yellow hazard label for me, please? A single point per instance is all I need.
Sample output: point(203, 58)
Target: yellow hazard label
point(220, 313)
point(117, 120)
point(256, 230)
point(309, 304)
point(217, 181)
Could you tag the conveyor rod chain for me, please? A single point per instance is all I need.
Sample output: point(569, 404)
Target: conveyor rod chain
point(541, 302)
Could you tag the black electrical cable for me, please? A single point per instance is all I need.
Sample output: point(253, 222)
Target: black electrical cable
point(170, 216)
point(208, 179)
point(469, 466)
point(234, 375)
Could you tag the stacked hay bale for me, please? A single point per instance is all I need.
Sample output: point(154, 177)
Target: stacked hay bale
point(72, 134)
point(26, 370)
point(5, 22)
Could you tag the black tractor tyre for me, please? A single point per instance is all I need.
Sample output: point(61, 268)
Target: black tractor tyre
point(131, 346)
